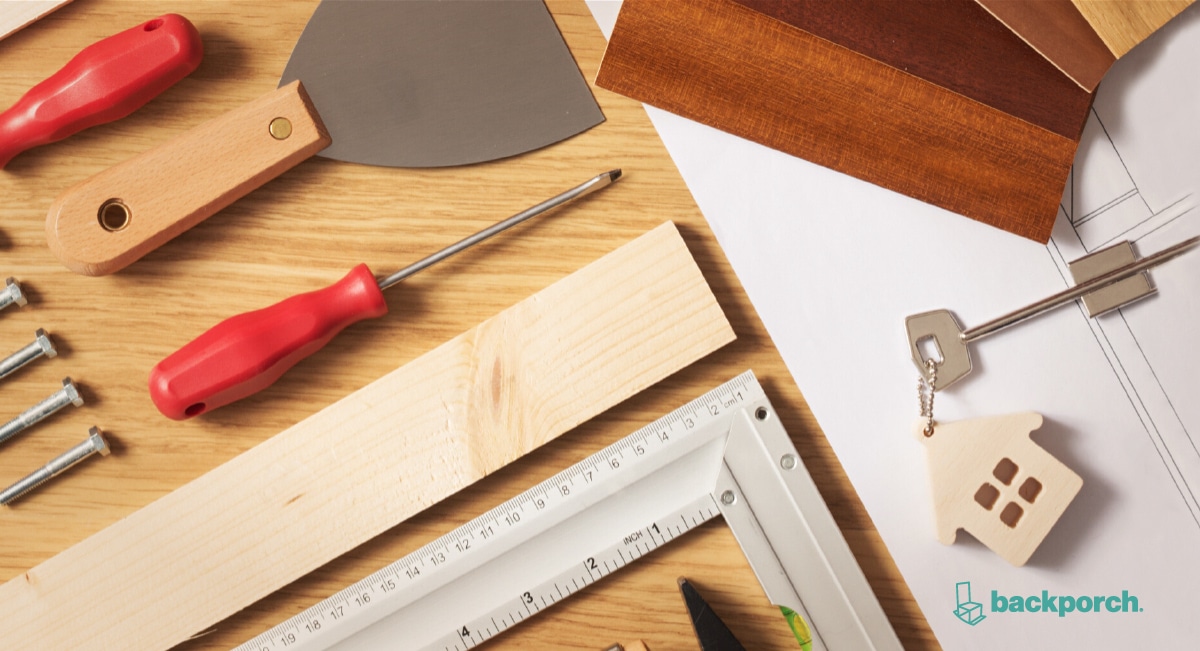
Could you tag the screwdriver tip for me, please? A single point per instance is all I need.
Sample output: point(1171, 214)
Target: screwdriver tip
point(613, 175)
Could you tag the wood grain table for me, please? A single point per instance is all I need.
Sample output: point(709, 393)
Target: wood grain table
point(303, 231)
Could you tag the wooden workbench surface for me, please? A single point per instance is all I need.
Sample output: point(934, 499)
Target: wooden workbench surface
point(305, 230)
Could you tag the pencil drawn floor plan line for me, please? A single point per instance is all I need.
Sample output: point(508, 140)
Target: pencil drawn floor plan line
point(1101, 213)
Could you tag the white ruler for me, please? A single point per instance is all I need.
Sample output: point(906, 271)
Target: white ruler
point(591, 520)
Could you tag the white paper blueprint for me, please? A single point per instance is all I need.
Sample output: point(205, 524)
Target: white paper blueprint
point(833, 265)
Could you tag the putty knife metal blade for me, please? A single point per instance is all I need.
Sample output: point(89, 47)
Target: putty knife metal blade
point(429, 83)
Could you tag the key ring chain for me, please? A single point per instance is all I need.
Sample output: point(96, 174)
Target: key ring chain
point(925, 391)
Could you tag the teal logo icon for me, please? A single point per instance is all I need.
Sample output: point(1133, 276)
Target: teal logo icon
point(968, 611)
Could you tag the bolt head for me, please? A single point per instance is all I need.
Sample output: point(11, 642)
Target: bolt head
point(99, 443)
point(43, 340)
point(72, 392)
point(14, 292)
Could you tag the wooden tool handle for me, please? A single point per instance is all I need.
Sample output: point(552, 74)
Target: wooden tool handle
point(115, 217)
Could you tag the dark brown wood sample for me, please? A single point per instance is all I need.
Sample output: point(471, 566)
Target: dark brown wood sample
point(741, 71)
point(955, 44)
point(1057, 30)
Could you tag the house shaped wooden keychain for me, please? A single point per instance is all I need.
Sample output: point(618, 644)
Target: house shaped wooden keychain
point(988, 476)
point(992, 480)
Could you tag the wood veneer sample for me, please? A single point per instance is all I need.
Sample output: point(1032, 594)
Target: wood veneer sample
point(1061, 34)
point(741, 71)
point(1123, 24)
point(378, 456)
point(955, 44)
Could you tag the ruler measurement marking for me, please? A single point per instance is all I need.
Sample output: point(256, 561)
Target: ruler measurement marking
point(428, 560)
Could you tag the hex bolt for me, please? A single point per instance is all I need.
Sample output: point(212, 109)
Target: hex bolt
point(67, 395)
point(41, 346)
point(11, 294)
point(95, 443)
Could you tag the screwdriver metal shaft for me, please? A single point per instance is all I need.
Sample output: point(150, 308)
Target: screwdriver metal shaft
point(593, 184)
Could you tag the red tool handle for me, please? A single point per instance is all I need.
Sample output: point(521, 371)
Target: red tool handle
point(248, 352)
point(106, 81)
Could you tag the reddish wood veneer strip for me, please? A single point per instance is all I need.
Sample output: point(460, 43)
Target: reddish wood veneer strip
point(955, 44)
point(1057, 30)
point(743, 72)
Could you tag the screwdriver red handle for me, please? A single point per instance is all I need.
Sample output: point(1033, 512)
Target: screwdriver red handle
point(106, 81)
point(248, 352)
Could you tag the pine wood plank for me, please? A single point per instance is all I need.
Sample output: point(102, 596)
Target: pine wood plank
point(1057, 30)
point(723, 64)
point(954, 44)
point(15, 14)
point(1123, 24)
point(380, 455)
point(303, 231)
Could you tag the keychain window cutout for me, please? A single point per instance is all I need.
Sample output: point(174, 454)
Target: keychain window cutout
point(965, 458)
point(1011, 514)
point(986, 496)
point(1029, 489)
point(1005, 471)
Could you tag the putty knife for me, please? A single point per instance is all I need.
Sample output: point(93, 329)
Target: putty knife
point(412, 83)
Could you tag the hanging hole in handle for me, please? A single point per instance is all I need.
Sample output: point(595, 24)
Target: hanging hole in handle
point(114, 215)
point(153, 25)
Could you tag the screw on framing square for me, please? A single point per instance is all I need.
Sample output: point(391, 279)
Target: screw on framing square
point(41, 346)
point(95, 443)
point(67, 395)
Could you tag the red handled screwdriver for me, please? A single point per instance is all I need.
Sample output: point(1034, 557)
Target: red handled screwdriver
point(106, 81)
point(248, 352)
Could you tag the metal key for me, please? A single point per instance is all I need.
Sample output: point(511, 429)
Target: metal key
point(1107, 279)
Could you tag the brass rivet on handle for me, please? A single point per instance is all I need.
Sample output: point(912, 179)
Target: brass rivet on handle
point(114, 215)
point(280, 128)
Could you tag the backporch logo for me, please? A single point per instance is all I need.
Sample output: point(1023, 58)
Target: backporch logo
point(971, 612)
